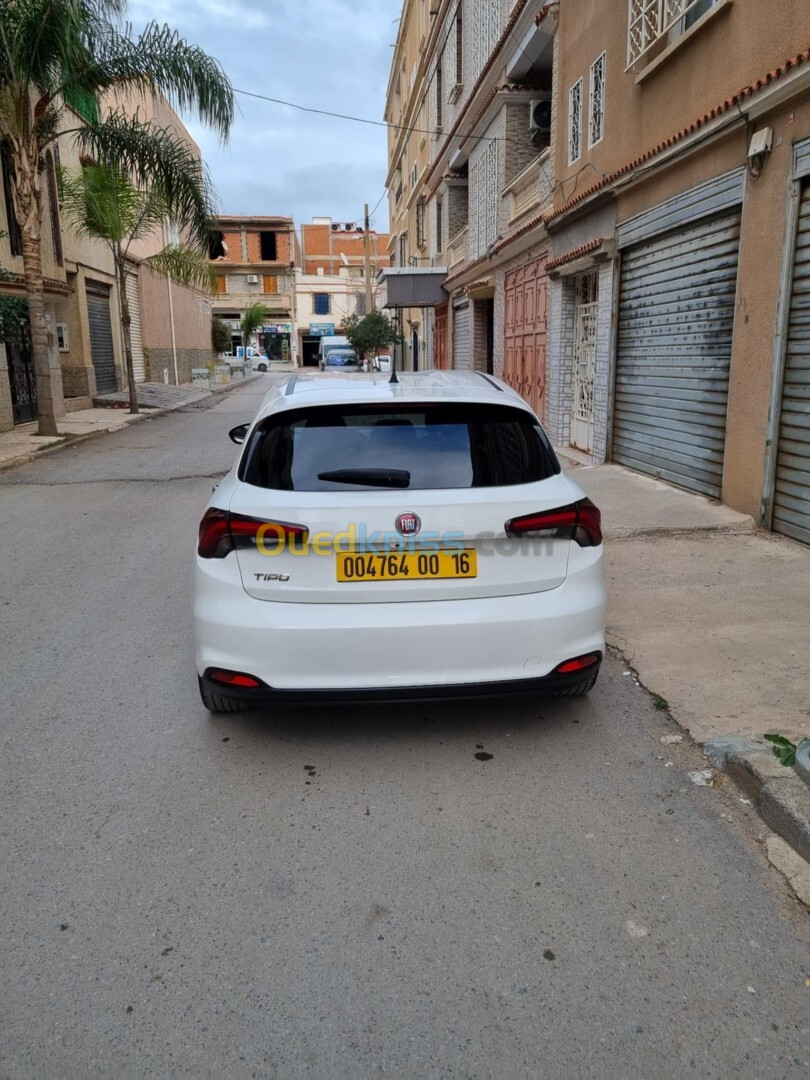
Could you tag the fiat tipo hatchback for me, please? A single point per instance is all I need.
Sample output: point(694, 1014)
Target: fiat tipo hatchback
point(410, 539)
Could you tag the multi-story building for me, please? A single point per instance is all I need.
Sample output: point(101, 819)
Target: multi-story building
point(622, 219)
point(253, 260)
point(330, 282)
point(171, 324)
point(683, 161)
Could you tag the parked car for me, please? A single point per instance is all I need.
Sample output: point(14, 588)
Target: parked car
point(378, 540)
point(341, 360)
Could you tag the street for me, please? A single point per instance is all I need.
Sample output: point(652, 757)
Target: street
point(472, 890)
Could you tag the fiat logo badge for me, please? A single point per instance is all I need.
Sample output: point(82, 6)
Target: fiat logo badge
point(409, 523)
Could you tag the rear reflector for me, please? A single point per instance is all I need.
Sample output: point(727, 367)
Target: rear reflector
point(579, 663)
point(222, 532)
point(581, 522)
point(235, 678)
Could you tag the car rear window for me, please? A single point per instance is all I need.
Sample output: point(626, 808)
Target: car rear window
point(438, 445)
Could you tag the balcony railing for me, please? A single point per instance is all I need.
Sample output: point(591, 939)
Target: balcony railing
point(531, 189)
point(457, 249)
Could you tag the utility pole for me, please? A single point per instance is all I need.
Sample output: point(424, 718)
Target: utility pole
point(367, 258)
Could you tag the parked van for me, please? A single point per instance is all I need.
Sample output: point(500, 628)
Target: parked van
point(328, 343)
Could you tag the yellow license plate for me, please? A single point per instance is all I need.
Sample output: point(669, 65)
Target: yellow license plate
point(406, 565)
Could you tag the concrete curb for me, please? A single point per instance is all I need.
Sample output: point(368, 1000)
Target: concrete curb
point(76, 440)
point(780, 796)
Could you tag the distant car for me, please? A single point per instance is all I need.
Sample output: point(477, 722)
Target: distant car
point(379, 540)
point(382, 362)
point(341, 360)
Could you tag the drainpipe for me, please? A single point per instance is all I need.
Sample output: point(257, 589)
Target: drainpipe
point(171, 323)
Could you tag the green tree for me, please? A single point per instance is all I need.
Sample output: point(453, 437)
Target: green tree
point(373, 332)
point(220, 335)
point(103, 203)
point(254, 317)
point(58, 52)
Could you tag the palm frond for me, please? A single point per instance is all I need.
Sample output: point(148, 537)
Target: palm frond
point(102, 203)
point(159, 61)
point(253, 317)
point(185, 265)
point(155, 158)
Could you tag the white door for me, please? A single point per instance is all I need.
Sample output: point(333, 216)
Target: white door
point(586, 305)
point(134, 298)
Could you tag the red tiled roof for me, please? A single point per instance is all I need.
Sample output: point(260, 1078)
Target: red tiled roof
point(718, 110)
point(569, 256)
point(541, 14)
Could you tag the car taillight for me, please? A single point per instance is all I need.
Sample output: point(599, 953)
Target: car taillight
point(222, 532)
point(579, 663)
point(581, 522)
point(235, 678)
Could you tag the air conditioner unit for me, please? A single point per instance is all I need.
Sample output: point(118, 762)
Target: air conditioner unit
point(253, 279)
point(335, 227)
point(350, 227)
point(540, 119)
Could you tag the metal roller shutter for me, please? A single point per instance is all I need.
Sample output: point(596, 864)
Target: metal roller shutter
point(134, 298)
point(461, 337)
point(676, 314)
point(791, 502)
point(101, 339)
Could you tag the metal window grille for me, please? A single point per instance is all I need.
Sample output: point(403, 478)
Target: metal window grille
point(597, 101)
point(575, 121)
point(474, 183)
point(585, 321)
point(491, 205)
point(649, 20)
point(320, 302)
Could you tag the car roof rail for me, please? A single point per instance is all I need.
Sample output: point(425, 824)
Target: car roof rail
point(291, 384)
point(490, 380)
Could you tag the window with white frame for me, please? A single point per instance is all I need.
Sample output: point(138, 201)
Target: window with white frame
point(650, 21)
point(403, 249)
point(575, 122)
point(596, 109)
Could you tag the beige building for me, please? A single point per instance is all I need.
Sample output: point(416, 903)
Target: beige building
point(619, 192)
point(171, 324)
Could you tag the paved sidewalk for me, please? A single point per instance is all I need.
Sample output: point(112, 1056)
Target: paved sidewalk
point(23, 444)
point(711, 612)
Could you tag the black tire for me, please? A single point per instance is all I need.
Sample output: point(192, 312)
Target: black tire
point(216, 704)
point(262, 367)
point(579, 689)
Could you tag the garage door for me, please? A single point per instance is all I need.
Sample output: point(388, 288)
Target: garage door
point(791, 502)
point(461, 336)
point(134, 298)
point(676, 314)
point(101, 339)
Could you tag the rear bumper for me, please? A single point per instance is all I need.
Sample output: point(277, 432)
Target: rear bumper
point(388, 649)
point(266, 696)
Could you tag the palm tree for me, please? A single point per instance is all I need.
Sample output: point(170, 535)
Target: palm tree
point(54, 52)
point(103, 203)
point(253, 318)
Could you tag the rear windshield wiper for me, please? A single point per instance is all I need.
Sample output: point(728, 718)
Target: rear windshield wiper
point(393, 478)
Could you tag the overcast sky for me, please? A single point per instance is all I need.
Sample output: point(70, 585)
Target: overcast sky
point(327, 54)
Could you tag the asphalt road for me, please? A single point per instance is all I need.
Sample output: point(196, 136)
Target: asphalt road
point(341, 893)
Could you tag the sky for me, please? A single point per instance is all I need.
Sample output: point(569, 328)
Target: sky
point(325, 54)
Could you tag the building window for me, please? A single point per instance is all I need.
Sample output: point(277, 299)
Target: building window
point(439, 97)
point(483, 200)
point(459, 49)
point(596, 109)
point(439, 228)
point(222, 284)
point(414, 175)
point(575, 122)
point(420, 221)
point(320, 303)
point(14, 231)
point(267, 246)
point(53, 203)
point(403, 249)
point(650, 20)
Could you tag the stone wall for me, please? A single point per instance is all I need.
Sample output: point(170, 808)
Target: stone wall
point(158, 360)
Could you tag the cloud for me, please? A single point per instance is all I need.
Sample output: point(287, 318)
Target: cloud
point(326, 54)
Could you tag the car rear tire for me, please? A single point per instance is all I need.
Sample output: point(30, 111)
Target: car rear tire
point(580, 689)
point(216, 704)
point(262, 367)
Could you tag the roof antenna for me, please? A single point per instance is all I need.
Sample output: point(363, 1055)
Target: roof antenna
point(394, 378)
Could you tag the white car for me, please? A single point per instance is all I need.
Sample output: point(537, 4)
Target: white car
point(378, 540)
